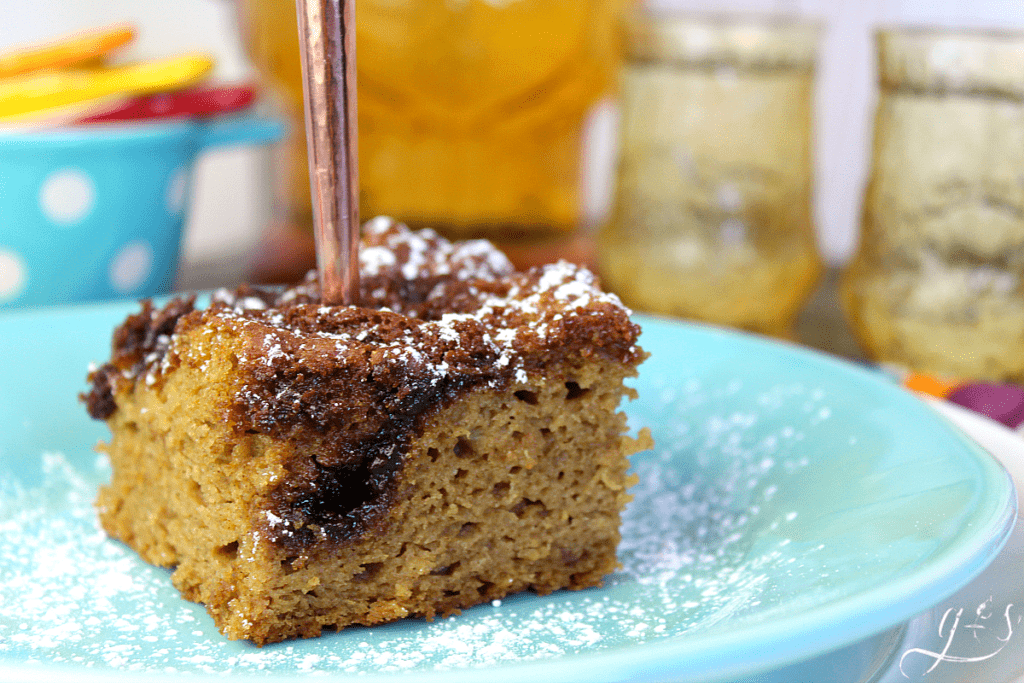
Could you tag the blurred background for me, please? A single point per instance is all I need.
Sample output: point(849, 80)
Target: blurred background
point(845, 94)
point(723, 179)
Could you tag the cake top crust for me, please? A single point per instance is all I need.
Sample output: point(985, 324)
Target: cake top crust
point(424, 301)
point(434, 319)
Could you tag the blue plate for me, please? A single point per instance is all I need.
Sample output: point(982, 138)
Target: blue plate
point(794, 506)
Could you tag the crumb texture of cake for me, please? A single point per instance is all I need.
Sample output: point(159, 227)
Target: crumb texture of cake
point(453, 438)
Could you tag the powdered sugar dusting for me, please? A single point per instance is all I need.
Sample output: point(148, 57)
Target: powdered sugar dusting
point(524, 307)
point(424, 253)
point(702, 544)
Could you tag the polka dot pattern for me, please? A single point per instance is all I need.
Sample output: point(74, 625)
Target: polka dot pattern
point(67, 215)
point(67, 196)
point(13, 275)
point(131, 266)
point(176, 191)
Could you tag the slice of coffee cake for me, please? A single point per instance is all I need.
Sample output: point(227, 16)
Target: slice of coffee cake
point(452, 439)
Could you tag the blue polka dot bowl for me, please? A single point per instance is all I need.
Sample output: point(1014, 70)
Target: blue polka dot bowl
point(96, 212)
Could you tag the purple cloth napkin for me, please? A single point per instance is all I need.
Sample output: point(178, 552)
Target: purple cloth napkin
point(1001, 402)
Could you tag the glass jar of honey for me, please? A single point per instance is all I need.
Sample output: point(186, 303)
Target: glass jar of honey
point(937, 285)
point(712, 216)
point(471, 112)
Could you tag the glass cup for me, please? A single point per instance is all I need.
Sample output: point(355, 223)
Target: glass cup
point(937, 285)
point(470, 111)
point(712, 217)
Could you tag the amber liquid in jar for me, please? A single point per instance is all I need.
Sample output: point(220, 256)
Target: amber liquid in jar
point(470, 111)
point(712, 214)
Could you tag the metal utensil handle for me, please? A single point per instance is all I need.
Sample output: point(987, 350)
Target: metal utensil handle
point(327, 34)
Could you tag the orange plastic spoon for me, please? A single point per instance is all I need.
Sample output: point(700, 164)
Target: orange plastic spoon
point(72, 49)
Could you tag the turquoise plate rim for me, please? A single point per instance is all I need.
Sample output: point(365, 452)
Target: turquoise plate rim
point(721, 655)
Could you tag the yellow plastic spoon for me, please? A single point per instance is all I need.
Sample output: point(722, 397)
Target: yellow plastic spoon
point(40, 93)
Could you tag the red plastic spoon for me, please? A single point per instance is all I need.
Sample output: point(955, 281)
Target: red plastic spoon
point(188, 102)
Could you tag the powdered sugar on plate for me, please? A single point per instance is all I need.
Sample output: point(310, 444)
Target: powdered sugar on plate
point(690, 560)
